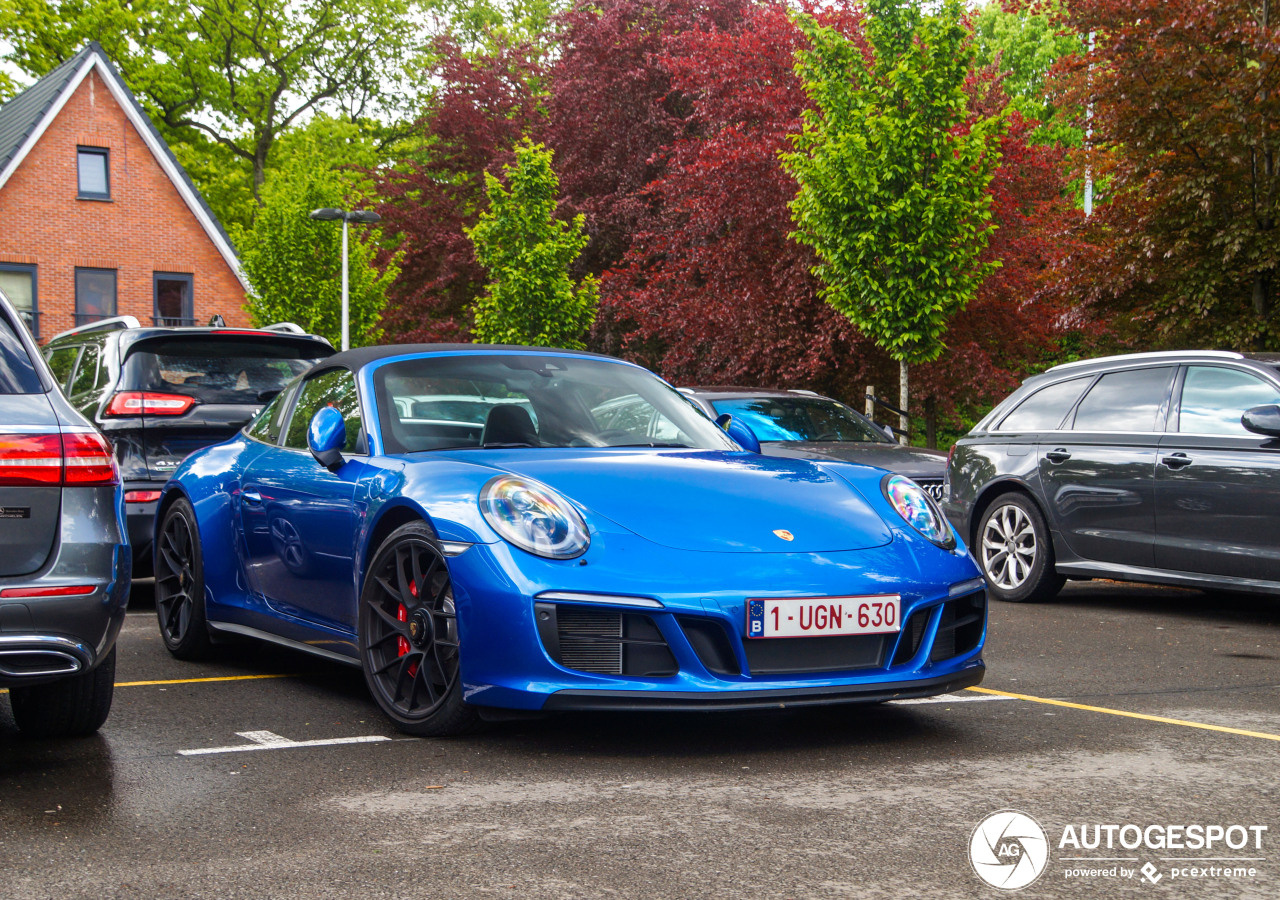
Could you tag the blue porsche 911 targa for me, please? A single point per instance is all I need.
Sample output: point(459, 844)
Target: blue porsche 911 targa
point(499, 528)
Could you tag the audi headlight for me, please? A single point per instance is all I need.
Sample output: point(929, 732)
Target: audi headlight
point(918, 509)
point(534, 517)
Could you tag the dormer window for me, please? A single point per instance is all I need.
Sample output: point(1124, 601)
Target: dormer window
point(92, 173)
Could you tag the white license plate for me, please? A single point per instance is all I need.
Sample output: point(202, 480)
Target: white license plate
point(786, 617)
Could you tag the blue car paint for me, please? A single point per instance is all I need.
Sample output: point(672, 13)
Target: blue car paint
point(682, 543)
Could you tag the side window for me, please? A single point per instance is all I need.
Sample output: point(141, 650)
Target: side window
point(1124, 401)
point(87, 372)
point(1214, 399)
point(267, 424)
point(337, 388)
point(63, 361)
point(1046, 408)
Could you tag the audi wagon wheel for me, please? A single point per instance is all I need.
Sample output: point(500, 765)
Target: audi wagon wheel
point(180, 583)
point(1016, 552)
point(409, 645)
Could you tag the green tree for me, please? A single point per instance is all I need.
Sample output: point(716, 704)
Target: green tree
point(237, 73)
point(1024, 45)
point(295, 263)
point(530, 298)
point(893, 175)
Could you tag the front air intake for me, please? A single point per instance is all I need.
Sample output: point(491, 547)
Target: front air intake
point(603, 641)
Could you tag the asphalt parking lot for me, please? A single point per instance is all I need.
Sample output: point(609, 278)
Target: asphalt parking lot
point(1115, 706)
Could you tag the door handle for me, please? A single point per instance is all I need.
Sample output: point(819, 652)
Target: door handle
point(1176, 461)
point(1057, 456)
point(251, 497)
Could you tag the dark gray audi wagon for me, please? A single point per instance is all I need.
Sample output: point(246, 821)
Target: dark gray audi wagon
point(1155, 467)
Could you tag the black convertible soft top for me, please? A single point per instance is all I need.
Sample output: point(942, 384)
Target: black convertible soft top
point(360, 357)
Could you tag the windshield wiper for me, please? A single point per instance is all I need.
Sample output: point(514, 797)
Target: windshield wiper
point(650, 444)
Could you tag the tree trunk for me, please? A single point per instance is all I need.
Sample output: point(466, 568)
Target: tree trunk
point(904, 423)
point(1262, 295)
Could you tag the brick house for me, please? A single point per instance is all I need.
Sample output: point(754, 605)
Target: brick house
point(97, 217)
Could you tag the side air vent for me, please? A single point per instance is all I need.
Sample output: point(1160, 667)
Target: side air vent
point(912, 632)
point(960, 629)
point(710, 642)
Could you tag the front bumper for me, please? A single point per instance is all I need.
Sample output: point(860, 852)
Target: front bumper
point(659, 701)
point(689, 644)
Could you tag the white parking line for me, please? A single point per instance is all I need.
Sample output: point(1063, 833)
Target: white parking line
point(266, 740)
point(952, 698)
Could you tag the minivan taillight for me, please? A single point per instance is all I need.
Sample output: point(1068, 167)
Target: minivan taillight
point(75, 458)
point(147, 403)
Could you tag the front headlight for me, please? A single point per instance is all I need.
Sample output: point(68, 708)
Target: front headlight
point(918, 509)
point(534, 517)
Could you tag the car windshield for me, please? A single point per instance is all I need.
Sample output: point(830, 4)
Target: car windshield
point(466, 401)
point(800, 419)
point(218, 369)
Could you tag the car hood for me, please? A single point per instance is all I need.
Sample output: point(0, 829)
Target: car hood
point(914, 462)
point(706, 500)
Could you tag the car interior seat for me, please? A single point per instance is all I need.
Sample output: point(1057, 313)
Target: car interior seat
point(508, 424)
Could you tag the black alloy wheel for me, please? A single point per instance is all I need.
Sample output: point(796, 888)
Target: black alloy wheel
point(409, 645)
point(180, 583)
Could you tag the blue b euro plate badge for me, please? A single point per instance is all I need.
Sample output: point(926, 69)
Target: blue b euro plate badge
point(755, 618)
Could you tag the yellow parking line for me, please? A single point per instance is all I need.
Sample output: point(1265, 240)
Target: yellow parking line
point(1130, 715)
point(199, 680)
point(189, 680)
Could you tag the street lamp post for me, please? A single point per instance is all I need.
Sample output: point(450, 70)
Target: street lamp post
point(332, 214)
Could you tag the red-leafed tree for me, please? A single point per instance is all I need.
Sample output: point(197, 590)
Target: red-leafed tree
point(612, 110)
point(1184, 104)
point(485, 104)
point(712, 288)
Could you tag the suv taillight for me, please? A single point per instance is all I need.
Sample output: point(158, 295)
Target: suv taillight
point(146, 403)
point(75, 458)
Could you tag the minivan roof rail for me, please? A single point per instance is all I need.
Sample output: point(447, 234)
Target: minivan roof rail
point(284, 327)
point(1154, 354)
point(115, 323)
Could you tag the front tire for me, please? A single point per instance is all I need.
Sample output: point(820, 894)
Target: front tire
point(180, 583)
point(409, 646)
point(72, 707)
point(1015, 551)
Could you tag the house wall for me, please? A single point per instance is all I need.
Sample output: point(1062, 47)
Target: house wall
point(145, 227)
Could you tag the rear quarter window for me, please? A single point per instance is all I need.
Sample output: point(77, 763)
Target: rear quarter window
point(17, 371)
point(218, 370)
point(1046, 408)
point(62, 361)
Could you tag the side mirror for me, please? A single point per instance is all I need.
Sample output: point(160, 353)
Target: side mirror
point(1262, 420)
point(326, 436)
point(739, 431)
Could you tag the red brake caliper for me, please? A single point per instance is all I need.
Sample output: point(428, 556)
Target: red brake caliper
point(402, 643)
